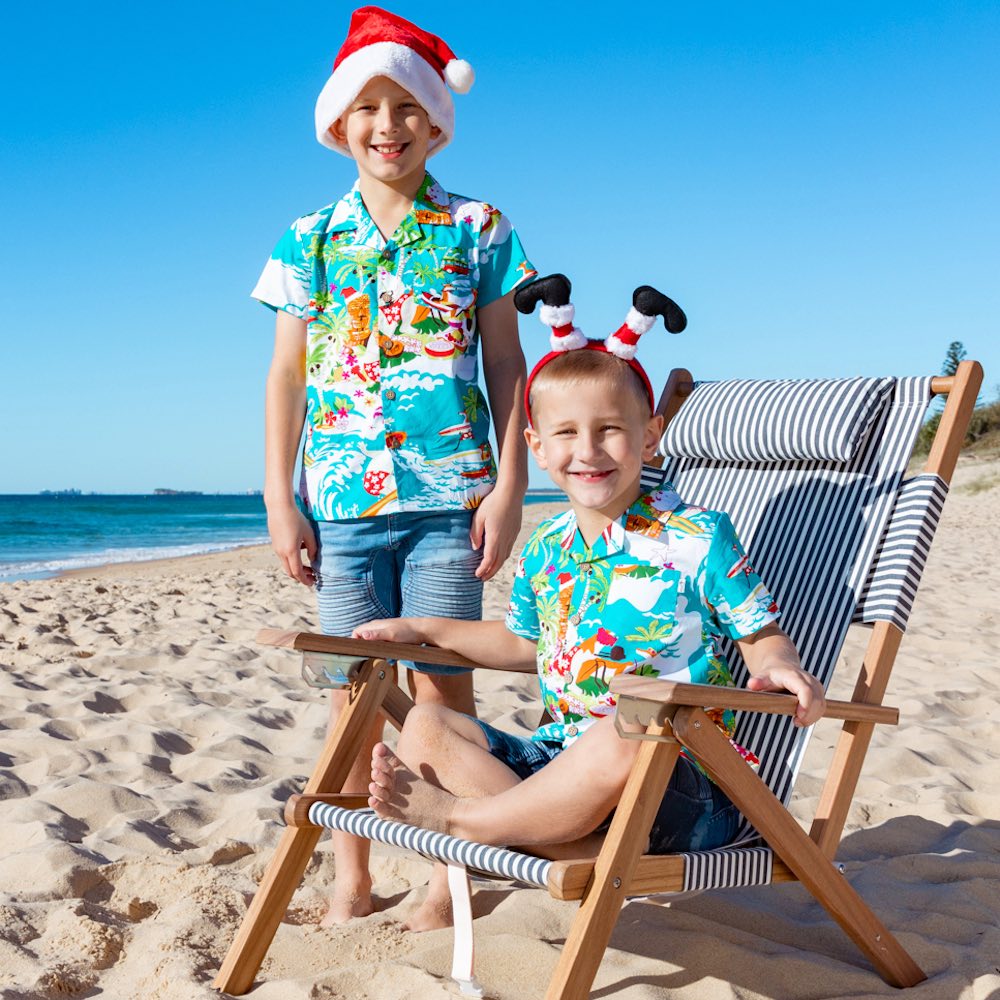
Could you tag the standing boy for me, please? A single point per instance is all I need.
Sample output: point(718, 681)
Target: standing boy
point(624, 582)
point(382, 299)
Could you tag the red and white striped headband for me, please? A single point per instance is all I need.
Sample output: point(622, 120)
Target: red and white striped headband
point(558, 313)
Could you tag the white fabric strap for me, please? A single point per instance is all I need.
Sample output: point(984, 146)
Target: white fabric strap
point(464, 954)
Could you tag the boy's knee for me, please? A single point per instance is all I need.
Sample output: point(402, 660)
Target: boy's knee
point(425, 723)
point(452, 690)
point(616, 754)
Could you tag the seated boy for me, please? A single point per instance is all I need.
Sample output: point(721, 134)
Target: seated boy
point(621, 583)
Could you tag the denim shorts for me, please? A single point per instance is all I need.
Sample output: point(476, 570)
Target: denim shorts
point(694, 813)
point(397, 566)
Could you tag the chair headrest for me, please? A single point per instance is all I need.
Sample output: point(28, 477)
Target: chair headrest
point(740, 420)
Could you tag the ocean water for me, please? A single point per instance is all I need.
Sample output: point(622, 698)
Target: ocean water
point(44, 535)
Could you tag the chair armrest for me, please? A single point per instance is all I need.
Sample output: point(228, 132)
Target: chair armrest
point(365, 648)
point(716, 696)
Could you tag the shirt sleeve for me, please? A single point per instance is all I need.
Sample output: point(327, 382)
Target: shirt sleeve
point(522, 614)
point(743, 605)
point(285, 281)
point(502, 261)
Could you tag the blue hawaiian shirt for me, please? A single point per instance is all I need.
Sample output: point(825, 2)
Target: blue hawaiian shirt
point(653, 596)
point(395, 419)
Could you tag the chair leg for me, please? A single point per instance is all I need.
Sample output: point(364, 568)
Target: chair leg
point(297, 844)
point(625, 842)
point(791, 843)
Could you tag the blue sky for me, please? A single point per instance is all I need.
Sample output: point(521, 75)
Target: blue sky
point(817, 185)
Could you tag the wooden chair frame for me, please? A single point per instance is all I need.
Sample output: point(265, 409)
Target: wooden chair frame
point(672, 715)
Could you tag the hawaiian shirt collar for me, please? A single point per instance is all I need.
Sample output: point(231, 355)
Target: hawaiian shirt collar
point(430, 208)
point(660, 502)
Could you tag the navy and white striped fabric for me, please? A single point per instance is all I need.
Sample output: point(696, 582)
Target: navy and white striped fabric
point(728, 867)
point(775, 420)
point(812, 529)
point(433, 846)
point(902, 554)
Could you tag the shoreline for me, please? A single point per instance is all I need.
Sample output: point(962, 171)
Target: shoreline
point(197, 561)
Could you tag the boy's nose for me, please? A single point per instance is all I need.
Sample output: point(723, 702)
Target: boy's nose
point(385, 120)
point(586, 446)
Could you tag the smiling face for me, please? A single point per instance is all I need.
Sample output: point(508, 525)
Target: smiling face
point(388, 134)
point(592, 437)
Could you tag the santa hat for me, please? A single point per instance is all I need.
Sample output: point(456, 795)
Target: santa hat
point(382, 44)
point(557, 312)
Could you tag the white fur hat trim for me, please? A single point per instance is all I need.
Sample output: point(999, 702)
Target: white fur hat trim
point(399, 63)
point(557, 315)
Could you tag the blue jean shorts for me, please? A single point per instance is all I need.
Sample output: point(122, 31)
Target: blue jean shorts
point(694, 813)
point(397, 566)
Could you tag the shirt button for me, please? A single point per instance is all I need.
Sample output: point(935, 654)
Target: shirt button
point(390, 393)
point(576, 619)
point(571, 730)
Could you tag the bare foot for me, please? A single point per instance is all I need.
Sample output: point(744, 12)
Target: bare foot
point(431, 915)
point(397, 793)
point(346, 903)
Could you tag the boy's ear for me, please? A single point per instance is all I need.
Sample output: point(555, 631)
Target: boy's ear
point(337, 130)
point(435, 132)
point(651, 438)
point(535, 447)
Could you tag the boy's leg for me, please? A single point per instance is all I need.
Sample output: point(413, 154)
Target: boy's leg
point(352, 886)
point(566, 800)
point(453, 750)
point(438, 573)
point(355, 583)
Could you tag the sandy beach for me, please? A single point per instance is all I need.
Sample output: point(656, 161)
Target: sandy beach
point(147, 745)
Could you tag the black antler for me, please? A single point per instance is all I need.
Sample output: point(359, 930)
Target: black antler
point(648, 301)
point(553, 290)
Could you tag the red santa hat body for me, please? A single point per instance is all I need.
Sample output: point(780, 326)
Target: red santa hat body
point(379, 43)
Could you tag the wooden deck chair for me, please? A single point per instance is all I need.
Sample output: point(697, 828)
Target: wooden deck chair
point(813, 474)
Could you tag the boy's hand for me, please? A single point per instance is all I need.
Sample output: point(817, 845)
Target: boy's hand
point(390, 630)
point(495, 524)
point(804, 686)
point(290, 533)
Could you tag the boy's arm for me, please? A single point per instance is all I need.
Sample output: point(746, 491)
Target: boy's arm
point(497, 519)
point(284, 413)
point(774, 665)
point(489, 643)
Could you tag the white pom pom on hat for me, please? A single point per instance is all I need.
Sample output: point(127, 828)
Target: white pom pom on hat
point(380, 43)
point(460, 76)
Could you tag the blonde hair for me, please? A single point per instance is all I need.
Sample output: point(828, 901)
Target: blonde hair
point(589, 367)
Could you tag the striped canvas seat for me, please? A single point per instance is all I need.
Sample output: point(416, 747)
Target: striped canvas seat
point(813, 475)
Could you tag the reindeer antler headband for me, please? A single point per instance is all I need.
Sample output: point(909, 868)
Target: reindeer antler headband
point(558, 313)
